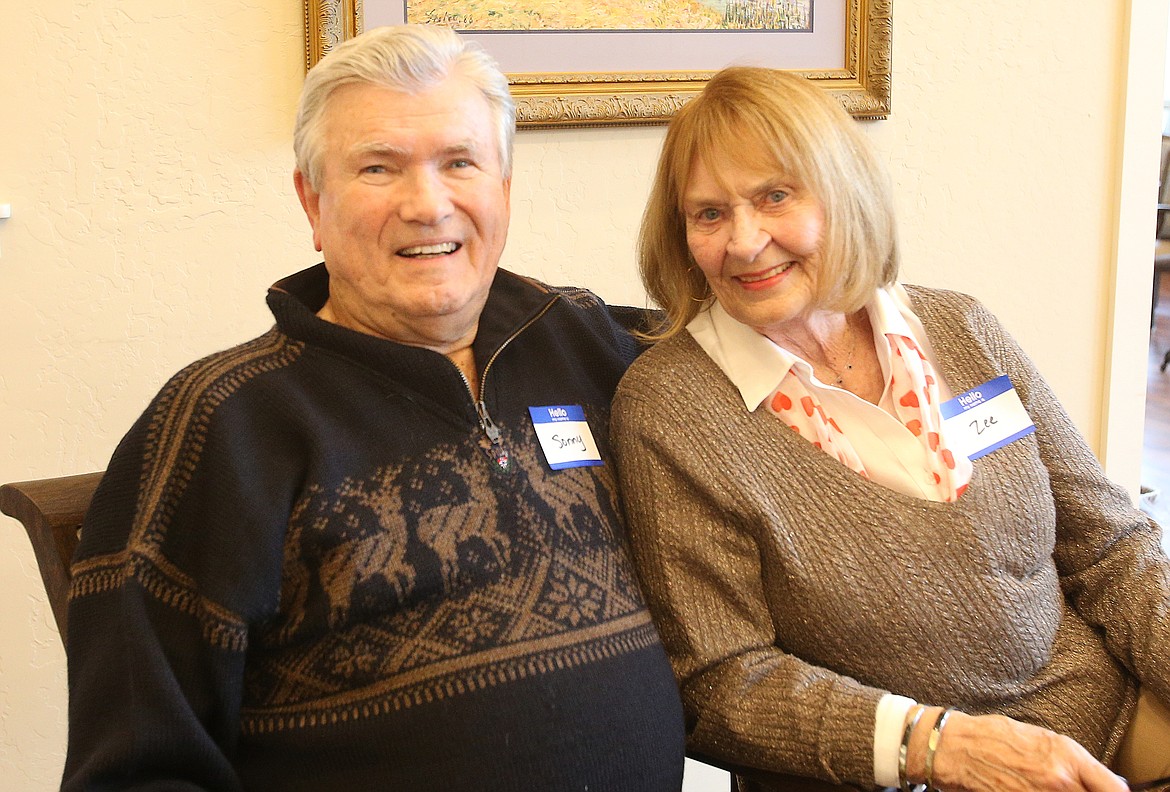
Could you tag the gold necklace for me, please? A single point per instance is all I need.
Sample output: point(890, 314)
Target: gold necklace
point(840, 373)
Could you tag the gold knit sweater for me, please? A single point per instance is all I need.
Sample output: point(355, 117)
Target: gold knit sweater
point(791, 593)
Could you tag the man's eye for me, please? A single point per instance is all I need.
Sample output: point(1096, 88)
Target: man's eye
point(461, 163)
point(374, 169)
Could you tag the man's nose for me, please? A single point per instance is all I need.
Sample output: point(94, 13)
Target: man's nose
point(427, 200)
point(748, 237)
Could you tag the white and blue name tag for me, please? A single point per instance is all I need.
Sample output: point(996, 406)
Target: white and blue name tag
point(985, 418)
point(565, 437)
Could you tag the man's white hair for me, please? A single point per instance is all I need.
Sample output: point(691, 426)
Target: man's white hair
point(407, 58)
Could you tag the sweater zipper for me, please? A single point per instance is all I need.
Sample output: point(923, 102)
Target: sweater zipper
point(496, 451)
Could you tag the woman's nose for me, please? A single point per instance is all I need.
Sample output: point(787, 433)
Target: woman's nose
point(748, 237)
point(427, 200)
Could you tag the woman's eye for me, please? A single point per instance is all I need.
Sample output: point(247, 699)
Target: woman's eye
point(374, 169)
point(776, 196)
point(708, 215)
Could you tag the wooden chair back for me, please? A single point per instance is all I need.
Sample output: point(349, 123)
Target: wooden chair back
point(51, 511)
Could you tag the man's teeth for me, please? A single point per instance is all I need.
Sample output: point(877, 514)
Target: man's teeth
point(429, 250)
point(765, 275)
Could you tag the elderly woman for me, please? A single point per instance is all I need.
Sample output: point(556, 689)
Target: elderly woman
point(876, 548)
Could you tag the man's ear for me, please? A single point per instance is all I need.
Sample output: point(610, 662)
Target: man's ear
point(311, 203)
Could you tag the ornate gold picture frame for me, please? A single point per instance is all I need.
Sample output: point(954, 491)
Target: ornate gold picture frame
point(859, 32)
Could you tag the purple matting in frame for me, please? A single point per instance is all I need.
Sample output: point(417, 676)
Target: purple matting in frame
point(592, 77)
point(529, 51)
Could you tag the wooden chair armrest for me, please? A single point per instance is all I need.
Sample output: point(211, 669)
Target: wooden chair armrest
point(51, 511)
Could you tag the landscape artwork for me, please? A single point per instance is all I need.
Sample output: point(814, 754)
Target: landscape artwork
point(580, 63)
point(612, 15)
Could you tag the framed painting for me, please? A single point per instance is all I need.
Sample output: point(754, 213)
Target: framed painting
point(637, 61)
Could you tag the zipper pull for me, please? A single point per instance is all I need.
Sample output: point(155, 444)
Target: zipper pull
point(496, 452)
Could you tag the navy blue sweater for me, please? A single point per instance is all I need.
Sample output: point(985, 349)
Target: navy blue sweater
point(314, 564)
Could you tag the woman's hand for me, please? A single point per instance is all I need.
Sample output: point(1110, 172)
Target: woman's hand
point(991, 753)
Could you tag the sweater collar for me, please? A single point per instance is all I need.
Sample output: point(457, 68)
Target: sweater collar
point(295, 300)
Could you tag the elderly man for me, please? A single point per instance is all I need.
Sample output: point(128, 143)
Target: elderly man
point(379, 546)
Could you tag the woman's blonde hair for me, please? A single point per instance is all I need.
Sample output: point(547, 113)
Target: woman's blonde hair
point(769, 120)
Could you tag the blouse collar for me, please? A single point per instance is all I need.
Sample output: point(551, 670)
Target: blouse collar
point(756, 365)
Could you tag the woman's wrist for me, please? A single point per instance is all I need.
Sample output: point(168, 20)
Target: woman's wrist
point(918, 743)
point(933, 740)
point(913, 717)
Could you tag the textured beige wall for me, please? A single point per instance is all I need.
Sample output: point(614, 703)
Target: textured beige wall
point(145, 151)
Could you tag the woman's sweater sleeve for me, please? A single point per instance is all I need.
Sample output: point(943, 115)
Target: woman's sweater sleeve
point(1108, 553)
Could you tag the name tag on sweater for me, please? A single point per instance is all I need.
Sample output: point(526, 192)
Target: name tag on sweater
point(564, 436)
point(985, 418)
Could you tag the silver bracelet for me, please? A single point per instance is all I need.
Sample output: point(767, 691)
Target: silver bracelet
point(932, 745)
point(904, 749)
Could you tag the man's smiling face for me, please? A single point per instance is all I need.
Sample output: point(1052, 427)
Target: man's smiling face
point(412, 212)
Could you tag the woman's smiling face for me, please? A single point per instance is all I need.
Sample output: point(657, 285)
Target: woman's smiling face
point(756, 235)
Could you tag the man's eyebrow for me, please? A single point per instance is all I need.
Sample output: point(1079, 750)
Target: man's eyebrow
point(467, 147)
point(384, 149)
